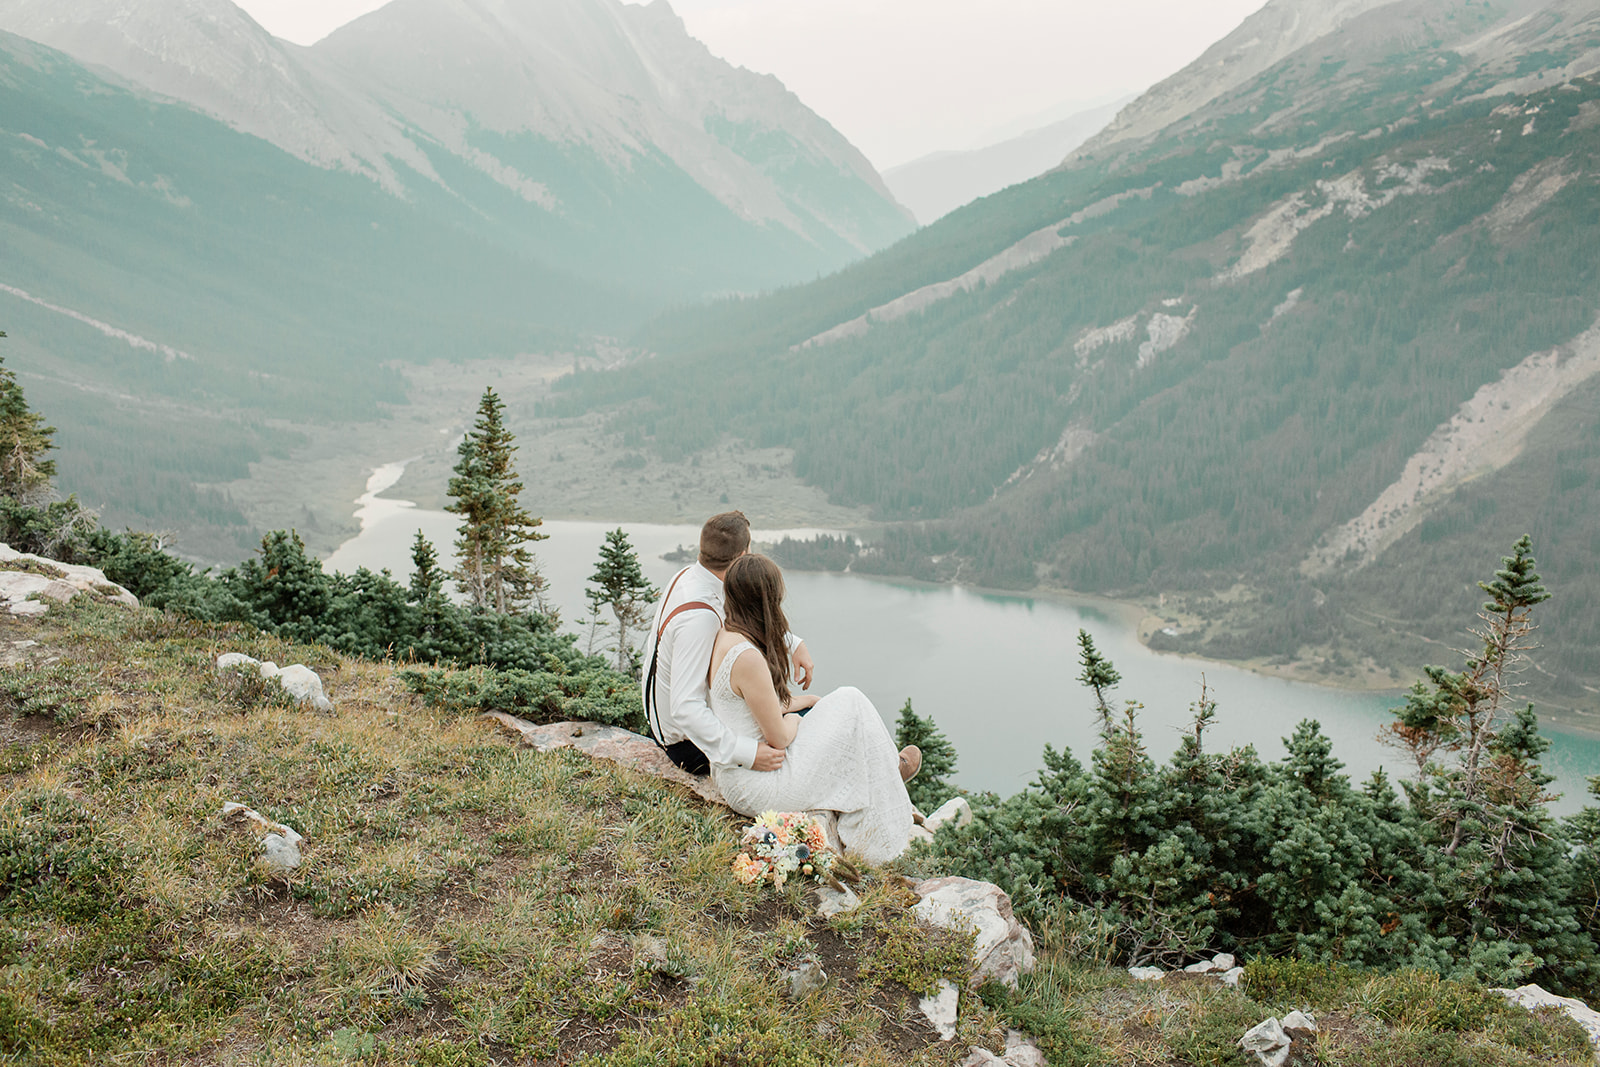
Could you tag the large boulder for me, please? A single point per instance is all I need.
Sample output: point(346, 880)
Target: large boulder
point(24, 575)
point(1002, 948)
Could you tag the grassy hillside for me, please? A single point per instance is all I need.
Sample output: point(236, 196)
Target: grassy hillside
point(466, 901)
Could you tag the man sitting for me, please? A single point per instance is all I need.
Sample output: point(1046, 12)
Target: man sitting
point(677, 652)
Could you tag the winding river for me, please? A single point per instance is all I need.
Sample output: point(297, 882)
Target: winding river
point(996, 672)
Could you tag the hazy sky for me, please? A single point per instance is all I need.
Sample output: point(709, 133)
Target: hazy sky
point(902, 78)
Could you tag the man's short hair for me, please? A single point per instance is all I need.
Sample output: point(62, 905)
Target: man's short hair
point(723, 539)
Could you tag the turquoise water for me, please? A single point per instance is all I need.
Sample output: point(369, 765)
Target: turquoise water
point(996, 672)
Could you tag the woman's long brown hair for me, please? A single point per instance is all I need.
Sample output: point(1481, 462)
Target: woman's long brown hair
point(752, 592)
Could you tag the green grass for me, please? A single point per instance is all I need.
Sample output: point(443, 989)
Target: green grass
point(465, 901)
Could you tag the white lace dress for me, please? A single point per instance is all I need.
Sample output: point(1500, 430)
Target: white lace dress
point(842, 759)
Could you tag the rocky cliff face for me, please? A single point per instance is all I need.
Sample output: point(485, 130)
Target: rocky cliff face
point(420, 88)
point(214, 57)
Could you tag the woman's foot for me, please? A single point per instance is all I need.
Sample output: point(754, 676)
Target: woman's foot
point(910, 762)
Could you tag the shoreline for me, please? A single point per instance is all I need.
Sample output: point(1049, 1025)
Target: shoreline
point(1144, 621)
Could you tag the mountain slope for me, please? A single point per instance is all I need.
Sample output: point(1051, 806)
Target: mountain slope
point(212, 55)
point(1188, 362)
point(211, 234)
point(599, 134)
point(936, 185)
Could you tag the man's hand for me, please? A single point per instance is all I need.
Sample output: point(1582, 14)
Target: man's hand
point(802, 662)
point(767, 758)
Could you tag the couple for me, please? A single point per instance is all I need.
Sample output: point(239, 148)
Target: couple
point(719, 696)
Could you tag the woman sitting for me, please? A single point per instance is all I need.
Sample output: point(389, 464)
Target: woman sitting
point(839, 756)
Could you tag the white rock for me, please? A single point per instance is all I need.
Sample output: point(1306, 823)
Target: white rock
point(943, 1008)
point(1224, 961)
point(305, 685)
point(280, 845)
point(299, 681)
point(1022, 1052)
point(29, 607)
point(280, 854)
point(1231, 977)
point(1147, 974)
point(955, 811)
point(1268, 1041)
point(831, 902)
point(805, 978)
point(1532, 996)
point(1298, 1020)
point(59, 590)
point(1203, 967)
point(72, 578)
point(1002, 948)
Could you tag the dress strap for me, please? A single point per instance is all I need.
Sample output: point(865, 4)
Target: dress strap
point(725, 668)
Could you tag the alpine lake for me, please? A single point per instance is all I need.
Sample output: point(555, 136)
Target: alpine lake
point(996, 672)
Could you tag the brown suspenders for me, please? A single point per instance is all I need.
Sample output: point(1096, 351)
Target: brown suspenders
point(653, 713)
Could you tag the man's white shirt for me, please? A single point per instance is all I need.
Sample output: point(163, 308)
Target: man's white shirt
point(683, 710)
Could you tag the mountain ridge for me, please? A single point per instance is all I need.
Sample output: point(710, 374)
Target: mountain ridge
point(1274, 305)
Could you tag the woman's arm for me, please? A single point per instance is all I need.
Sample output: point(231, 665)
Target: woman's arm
point(802, 701)
point(752, 681)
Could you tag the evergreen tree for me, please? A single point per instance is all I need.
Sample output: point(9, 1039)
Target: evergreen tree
point(431, 630)
point(1098, 674)
point(24, 439)
point(1461, 713)
point(931, 787)
point(497, 569)
point(618, 583)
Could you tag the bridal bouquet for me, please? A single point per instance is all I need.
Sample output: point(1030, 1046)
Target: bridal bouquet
point(780, 844)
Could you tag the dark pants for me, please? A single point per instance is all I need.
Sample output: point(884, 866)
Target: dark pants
point(687, 755)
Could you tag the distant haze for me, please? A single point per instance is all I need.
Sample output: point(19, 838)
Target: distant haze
point(903, 78)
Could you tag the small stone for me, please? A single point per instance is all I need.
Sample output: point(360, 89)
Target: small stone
point(280, 854)
point(1231, 976)
point(1268, 1041)
point(1203, 967)
point(831, 902)
point(805, 978)
point(30, 607)
point(942, 1009)
point(954, 812)
point(1298, 1020)
point(1224, 961)
point(1147, 974)
point(230, 661)
point(280, 847)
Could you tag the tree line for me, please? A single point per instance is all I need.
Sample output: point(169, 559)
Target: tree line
point(501, 647)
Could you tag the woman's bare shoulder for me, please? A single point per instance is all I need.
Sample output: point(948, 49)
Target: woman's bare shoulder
point(725, 640)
